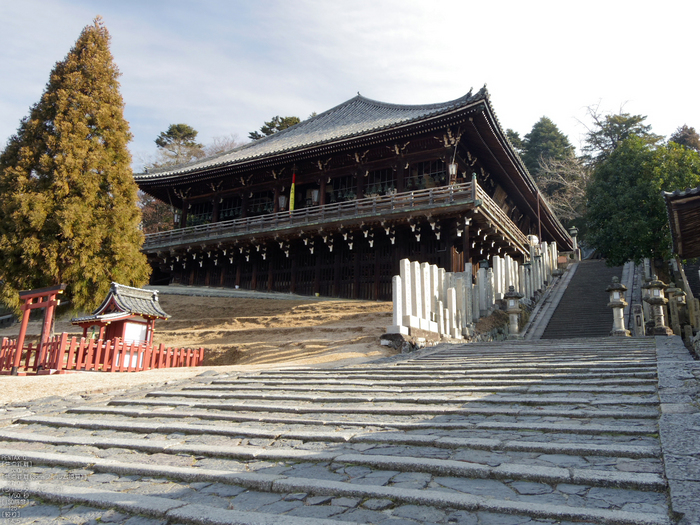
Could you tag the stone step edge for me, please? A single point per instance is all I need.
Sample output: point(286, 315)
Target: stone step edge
point(228, 393)
point(472, 371)
point(248, 384)
point(555, 427)
point(424, 409)
point(496, 385)
point(160, 507)
point(588, 449)
point(285, 485)
point(436, 467)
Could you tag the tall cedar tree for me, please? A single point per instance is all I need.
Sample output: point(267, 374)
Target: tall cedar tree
point(68, 203)
point(544, 143)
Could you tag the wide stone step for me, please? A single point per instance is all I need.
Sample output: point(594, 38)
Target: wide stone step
point(411, 424)
point(625, 427)
point(87, 438)
point(80, 491)
point(477, 434)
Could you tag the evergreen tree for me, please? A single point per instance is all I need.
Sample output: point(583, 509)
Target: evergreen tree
point(687, 137)
point(515, 140)
point(608, 131)
point(626, 216)
point(273, 126)
point(544, 143)
point(179, 145)
point(68, 201)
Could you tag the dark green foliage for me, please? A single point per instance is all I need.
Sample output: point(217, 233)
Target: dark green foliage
point(626, 217)
point(273, 126)
point(515, 140)
point(68, 201)
point(178, 144)
point(687, 137)
point(544, 142)
point(610, 130)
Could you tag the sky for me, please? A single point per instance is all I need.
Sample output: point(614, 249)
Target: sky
point(226, 66)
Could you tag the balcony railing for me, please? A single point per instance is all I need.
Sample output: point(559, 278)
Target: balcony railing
point(366, 207)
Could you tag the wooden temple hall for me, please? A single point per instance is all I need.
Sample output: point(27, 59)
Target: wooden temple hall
point(373, 183)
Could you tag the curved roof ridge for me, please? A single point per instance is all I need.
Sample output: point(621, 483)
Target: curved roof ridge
point(354, 117)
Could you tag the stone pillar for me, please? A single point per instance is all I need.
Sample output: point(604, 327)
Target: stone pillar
point(416, 302)
point(441, 284)
point(441, 318)
point(468, 300)
point(434, 290)
point(405, 274)
point(483, 293)
point(452, 309)
point(398, 300)
point(638, 317)
point(497, 269)
point(489, 289)
point(521, 281)
point(426, 298)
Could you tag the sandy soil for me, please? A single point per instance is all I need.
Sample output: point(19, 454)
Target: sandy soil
point(237, 333)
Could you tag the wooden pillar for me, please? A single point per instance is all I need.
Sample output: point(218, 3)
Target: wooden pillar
point(376, 273)
point(276, 203)
point(244, 204)
point(239, 257)
point(466, 247)
point(400, 175)
point(293, 271)
point(254, 277)
point(272, 258)
point(322, 195)
point(317, 270)
point(183, 216)
point(20, 339)
point(215, 209)
point(336, 272)
point(356, 274)
point(360, 186)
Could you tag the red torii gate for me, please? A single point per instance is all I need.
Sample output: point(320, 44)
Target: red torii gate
point(33, 299)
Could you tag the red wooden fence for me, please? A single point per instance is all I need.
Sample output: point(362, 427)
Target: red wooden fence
point(62, 355)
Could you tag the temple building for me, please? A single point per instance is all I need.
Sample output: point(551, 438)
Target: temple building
point(331, 205)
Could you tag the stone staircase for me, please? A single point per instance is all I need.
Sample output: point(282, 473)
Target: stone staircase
point(482, 434)
point(582, 310)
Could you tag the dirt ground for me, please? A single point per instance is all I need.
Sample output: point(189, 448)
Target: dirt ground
point(237, 333)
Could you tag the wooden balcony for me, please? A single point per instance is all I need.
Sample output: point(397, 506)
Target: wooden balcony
point(457, 197)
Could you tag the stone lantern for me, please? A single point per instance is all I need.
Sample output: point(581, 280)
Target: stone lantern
point(573, 231)
point(657, 301)
point(513, 309)
point(618, 303)
point(676, 302)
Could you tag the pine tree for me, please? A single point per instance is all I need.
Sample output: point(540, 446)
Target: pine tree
point(544, 142)
point(68, 201)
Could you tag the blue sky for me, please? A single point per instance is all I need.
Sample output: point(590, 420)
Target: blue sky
point(224, 67)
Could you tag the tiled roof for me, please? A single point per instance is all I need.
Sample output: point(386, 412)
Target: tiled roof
point(356, 117)
point(135, 301)
point(680, 194)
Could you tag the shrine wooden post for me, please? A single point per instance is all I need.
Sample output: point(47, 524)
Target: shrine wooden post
point(46, 299)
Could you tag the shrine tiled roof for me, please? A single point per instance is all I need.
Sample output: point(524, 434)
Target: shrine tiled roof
point(356, 117)
point(126, 300)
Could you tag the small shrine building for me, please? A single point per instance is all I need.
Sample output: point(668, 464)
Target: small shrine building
point(126, 313)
